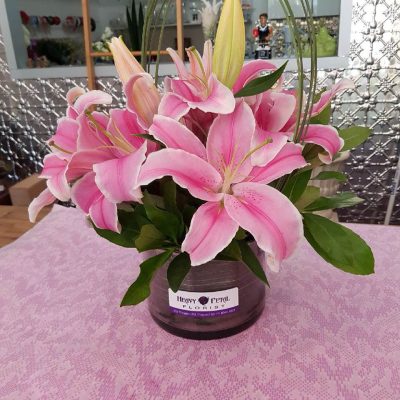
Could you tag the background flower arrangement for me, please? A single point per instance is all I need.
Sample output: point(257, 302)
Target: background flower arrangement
point(220, 159)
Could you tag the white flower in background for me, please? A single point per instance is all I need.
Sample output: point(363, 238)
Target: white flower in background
point(107, 34)
point(209, 17)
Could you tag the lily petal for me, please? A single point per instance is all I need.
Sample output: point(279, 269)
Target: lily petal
point(179, 64)
point(286, 161)
point(104, 214)
point(211, 230)
point(176, 136)
point(54, 169)
point(220, 100)
point(142, 97)
point(85, 192)
point(187, 170)
point(66, 136)
point(173, 106)
point(327, 96)
point(229, 141)
point(207, 57)
point(269, 151)
point(91, 137)
point(196, 63)
point(269, 216)
point(94, 97)
point(125, 63)
point(123, 125)
point(275, 110)
point(82, 162)
point(45, 198)
point(250, 71)
point(87, 196)
point(325, 136)
point(117, 178)
point(73, 94)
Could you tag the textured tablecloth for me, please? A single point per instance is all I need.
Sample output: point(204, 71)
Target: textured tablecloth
point(324, 334)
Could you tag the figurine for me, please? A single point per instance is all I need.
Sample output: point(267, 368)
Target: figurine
point(263, 34)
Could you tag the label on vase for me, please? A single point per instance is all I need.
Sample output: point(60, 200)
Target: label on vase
point(204, 304)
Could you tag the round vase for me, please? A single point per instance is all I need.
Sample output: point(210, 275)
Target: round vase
point(215, 300)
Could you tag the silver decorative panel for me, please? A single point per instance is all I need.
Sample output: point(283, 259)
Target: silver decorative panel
point(29, 110)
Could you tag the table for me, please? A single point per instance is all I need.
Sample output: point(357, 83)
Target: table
point(323, 335)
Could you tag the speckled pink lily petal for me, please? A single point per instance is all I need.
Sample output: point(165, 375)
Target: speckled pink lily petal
point(229, 141)
point(176, 136)
point(117, 178)
point(286, 161)
point(211, 230)
point(187, 170)
point(267, 152)
point(269, 216)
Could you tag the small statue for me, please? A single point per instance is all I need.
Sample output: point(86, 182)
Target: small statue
point(262, 34)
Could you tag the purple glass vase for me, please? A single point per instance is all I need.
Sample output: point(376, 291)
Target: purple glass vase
point(216, 300)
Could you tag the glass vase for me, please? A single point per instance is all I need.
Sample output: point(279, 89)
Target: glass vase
point(216, 300)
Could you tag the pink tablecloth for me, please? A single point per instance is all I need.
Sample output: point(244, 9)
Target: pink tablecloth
point(324, 334)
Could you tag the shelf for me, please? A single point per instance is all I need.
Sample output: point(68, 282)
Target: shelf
point(174, 25)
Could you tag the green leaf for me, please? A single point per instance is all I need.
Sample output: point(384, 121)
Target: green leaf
point(251, 260)
point(296, 185)
point(131, 223)
point(325, 175)
point(354, 136)
point(177, 271)
point(231, 252)
point(324, 117)
point(168, 189)
point(149, 238)
point(342, 200)
point(140, 24)
point(310, 194)
point(149, 137)
point(140, 289)
point(166, 222)
point(338, 245)
point(240, 234)
point(261, 84)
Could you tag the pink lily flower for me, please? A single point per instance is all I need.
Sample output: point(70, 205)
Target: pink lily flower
point(197, 88)
point(102, 152)
point(322, 135)
point(275, 112)
point(235, 191)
